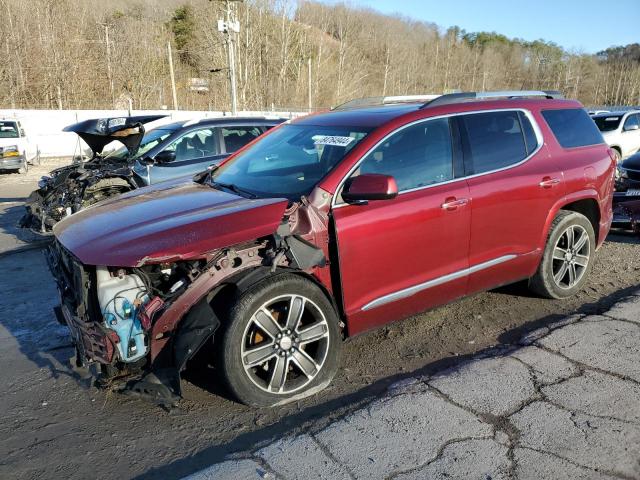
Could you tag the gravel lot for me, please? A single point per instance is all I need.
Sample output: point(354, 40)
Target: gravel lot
point(57, 425)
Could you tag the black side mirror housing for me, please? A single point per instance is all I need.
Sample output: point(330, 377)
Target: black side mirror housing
point(166, 156)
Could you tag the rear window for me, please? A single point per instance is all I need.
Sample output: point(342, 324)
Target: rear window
point(496, 141)
point(573, 127)
point(607, 123)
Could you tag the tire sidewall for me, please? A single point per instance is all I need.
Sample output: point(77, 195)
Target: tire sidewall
point(240, 312)
point(546, 266)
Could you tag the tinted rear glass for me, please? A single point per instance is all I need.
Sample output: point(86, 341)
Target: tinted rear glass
point(573, 127)
point(607, 123)
point(495, 140)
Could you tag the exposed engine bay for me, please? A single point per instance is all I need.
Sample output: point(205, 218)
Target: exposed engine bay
point(74, 187)
point(142, 324)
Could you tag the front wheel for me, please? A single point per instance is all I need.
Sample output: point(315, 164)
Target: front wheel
point(24, 168)
point(567, 258)
point(280, 342)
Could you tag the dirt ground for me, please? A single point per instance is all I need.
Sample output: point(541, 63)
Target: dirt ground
point(58, 425)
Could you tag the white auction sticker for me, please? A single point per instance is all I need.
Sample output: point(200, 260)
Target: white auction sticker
point(332, 140)
point(117, 122)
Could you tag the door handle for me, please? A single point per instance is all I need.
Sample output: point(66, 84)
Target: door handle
point(548, 182)
point(453, 203)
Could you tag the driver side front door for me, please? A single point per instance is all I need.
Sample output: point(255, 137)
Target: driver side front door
point(402, 256)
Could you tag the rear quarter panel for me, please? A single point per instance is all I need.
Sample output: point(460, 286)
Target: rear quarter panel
point(588, 173)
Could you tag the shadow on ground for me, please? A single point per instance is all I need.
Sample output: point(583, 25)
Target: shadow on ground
point(316, 417)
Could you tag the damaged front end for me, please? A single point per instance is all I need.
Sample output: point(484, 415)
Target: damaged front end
point(74, 187)
point(141, 324)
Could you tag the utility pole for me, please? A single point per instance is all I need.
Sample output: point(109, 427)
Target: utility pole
point(230, 27)
point(173, 78)
point(309, 86)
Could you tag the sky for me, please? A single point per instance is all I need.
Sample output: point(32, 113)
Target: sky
point(585, 26)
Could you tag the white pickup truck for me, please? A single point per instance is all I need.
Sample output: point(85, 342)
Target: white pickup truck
point(17, 150)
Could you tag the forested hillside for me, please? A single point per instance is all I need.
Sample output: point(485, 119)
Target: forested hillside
point(97, 54)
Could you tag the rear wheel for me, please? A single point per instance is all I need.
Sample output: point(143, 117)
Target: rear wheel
point(280, 342)
point(567, 258)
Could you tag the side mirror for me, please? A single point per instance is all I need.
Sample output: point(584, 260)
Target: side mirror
point(369, 186)
point(165, 156)
point(631, 128)
point(22, 134)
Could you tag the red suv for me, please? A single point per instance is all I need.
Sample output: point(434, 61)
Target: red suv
point(328, 226)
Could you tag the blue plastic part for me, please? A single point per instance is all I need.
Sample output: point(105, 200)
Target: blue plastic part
point(128, 327)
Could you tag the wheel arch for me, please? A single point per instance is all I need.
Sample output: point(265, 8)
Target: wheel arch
point(583, 202)
point(221, 294)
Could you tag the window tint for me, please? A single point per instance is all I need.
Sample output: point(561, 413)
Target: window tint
point(573, 127)
point(237, 137)
point(197, 144)
point(529, 134)
point(495, 139)
point(606, 123)
point(632, 120)
point(416, 156)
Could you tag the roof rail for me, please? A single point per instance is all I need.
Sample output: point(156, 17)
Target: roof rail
point(470, 96)
point(379, 101)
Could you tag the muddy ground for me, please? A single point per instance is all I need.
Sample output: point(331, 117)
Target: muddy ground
point(58, 425)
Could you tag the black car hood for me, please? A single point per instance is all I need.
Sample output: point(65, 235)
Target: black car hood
point(99, 132)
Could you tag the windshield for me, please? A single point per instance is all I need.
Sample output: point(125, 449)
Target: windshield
point(607, 123)
point(289, 161)
point(8, 130)
point(151, 139)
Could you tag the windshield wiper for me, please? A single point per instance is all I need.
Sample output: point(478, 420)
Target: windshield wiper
point(234, 189)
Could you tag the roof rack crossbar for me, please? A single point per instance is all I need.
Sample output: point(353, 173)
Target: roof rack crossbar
point(467, 96)
point(379, 101)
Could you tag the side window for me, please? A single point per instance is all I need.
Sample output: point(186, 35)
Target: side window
point(416, 156)
point(196, 144)
point(573, 127)
point(237, 137)
point(496, 140)
point(631, 122)
point(530, 138)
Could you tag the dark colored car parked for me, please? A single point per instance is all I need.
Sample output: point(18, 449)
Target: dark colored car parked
point(329, 226)
point(627, 190)
point(163, 153)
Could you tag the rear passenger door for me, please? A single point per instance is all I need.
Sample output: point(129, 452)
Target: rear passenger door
point(513, 185)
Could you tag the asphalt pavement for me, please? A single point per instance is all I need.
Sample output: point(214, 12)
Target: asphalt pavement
point(565, 403)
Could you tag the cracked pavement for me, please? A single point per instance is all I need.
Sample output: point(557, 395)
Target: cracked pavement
point(564, 403)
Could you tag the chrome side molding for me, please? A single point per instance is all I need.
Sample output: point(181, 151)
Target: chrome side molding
point(410, 291)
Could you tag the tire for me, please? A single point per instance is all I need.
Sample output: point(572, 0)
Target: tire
point(254, 350)
point(561, 255)
point(24, 168)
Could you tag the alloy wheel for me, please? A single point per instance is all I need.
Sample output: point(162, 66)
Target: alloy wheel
point(285, 344)
point(571, 257)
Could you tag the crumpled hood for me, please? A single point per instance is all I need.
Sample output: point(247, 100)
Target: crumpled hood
point(167, 222)
point(99, 132)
